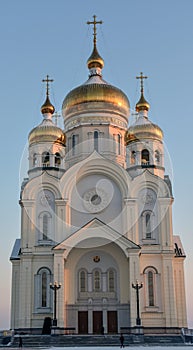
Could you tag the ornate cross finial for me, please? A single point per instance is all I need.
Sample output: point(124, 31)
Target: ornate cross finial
point(94, 22)
point(141, 77)
point(47, 81)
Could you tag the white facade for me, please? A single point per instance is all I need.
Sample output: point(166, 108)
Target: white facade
point(96, 216)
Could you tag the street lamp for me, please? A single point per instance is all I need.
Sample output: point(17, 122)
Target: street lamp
point(55, 287)
point(137, 286)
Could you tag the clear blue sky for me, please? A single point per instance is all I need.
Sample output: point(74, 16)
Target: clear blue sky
point(42, 37)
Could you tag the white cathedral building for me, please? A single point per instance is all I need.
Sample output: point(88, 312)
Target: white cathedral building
point(96, 218)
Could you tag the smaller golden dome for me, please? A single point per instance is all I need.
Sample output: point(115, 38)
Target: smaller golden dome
point(142, 104)
point(143, 131)
point(95, 60)
point(47, 107)
point(47, 131)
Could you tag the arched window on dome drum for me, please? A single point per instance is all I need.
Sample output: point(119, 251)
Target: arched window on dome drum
point(45, 159)
point(145, 157)
point(96, 140)
point(157, 156)
point(75, 139)
point(133, 157)
point(34, 159)
point(57, 159)
point(150, 288)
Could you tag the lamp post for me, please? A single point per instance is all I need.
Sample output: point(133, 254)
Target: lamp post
point(137, 286)
point(55, 287)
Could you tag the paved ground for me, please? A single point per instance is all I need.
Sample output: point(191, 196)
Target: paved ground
point(184, 347)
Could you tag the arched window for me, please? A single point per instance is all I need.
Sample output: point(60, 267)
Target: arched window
point(57, 159)
point(34, 159)
point(75, 139)
point(157, 156)
point(97, 281)
point(82, 281)
point(96, 140)
point(111, 281)
point(45, 159)
point(45, 227)
point(118, 144)
point(42, 294)
point(150, 288)
point(44, 289)
point(145, 157)
point(151, 283)
point(133, 157)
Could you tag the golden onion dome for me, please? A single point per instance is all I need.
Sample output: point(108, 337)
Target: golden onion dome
point(95, 60)
point(47, 131)
point(142, 104)
point(99, 95)
point(140, 132)
point(47, 107)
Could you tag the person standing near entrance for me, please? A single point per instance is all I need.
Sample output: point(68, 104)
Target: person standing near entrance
point(121, 340)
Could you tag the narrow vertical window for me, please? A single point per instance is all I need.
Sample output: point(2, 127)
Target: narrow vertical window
point(148, 225)
point(75, 139)
point(34, 159)
point(57, 159)
point(119, 144)
point(150, 288)
point(96, 140)
point(111, 281)
point(133, 157)
point(97, 282)
point(157, 156)
point(45, 226)
point(145, 157)
point(82, 281)
point(45, 159)
point(44, 289)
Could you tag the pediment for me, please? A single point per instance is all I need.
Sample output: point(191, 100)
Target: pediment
point(96, 234)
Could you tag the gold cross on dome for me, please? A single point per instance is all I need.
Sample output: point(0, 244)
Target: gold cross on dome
point(47, 81)
point(142, 77)
point(94, 22)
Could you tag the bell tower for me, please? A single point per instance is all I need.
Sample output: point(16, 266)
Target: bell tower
point(46, 142)
point(144, 141)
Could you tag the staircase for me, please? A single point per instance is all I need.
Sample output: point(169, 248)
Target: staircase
point(46, 341)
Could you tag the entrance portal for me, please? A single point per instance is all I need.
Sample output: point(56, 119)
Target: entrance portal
point(83, 322)
point(97, 322)
point(112, 321)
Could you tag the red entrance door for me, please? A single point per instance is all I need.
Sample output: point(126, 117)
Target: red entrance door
point(97, 322)
point(112, 321)
point(83, 322)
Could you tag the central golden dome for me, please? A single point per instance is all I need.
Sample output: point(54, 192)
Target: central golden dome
point(105, 95)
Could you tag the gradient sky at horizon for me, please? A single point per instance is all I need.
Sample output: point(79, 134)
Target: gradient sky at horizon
point(43, 37)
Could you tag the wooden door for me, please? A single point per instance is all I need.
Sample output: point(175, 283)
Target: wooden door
point(112, 321)
point(83, 322)
point(97, 322)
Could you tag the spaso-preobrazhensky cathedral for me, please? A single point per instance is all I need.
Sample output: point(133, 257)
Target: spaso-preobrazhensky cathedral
point(96, 218)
